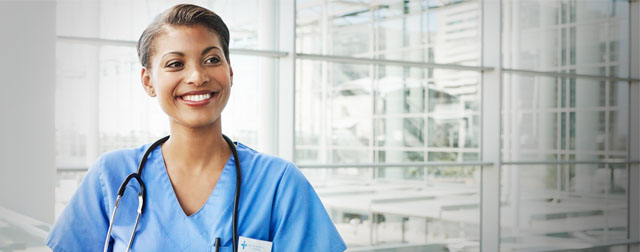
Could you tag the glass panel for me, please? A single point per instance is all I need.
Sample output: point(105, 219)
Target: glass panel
point(398, 173)
point(128, 116)
point(578, 36)
point(400, 90)
point(75, 68)
point(453, 92)
point(448, 32)
point(439, 215)
point(356, 78)
point(563, 206)
point(351, 132)
point(341, 100)
point(242, 112)
point(381, 114)
point(536, 128)
point(349, 28)
point(124, 20)
point(454, 132)
point(310, 102)
point(307, 155)
point(309, 32)
point(350, 156)
point(399, 132)
point(589, 45)
point(455, 33)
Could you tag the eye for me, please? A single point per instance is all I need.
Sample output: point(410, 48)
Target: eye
point(174, 64)
point(212, 60)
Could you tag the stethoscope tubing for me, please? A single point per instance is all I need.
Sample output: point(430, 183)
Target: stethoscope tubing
point(143, 195)
point(236, 200)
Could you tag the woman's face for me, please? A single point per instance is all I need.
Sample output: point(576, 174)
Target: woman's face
point(190, 76)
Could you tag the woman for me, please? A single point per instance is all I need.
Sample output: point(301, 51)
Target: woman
point(190, 179)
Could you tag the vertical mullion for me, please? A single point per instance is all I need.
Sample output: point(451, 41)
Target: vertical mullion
point(324, 154)
point(269, 89)
point(425, 36)
point(491, 118)
point(285, 108)
point(634, 123)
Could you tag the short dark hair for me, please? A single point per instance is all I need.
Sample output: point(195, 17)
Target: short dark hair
point(182, 15)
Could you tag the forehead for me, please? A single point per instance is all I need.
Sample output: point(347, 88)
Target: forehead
point(184, 39)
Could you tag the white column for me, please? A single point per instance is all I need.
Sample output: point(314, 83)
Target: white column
point(268, 88)
point(491, 84)
point(286, 80)
point(27, 148)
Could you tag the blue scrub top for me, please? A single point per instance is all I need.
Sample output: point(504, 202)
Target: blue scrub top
point(277, 204)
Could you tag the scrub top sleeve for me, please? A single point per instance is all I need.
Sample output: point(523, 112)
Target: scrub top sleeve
point(83, 224)
point(299, 221)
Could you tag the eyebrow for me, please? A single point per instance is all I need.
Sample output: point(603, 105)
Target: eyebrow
point(205, 51)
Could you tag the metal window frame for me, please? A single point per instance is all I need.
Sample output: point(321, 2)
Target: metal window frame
point(634, 123)
point(286, 112)
point(130, 43)
point(362, 60)
point(569, 75)
point(407, 164)
point(491, 119)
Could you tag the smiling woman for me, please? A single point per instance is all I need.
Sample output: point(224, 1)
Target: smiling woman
point(190, 183)
point(183, 72)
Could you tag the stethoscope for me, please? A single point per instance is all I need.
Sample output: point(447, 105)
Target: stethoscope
point(142, 195)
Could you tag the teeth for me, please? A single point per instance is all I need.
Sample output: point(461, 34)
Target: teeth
point(198, 97)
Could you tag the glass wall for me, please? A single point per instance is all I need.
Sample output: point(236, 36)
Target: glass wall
point(388, 112)
point(394, 115)
point(566, 139)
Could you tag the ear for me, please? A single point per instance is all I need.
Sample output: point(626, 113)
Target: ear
point(145, 79)
point(231, 74)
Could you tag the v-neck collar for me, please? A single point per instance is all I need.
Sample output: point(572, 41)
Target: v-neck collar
point(200, 229)
point(215, 193)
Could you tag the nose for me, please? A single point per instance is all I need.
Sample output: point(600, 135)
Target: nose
point(197, 76)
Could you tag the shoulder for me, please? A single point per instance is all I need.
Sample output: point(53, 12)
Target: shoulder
point(122, 155)
point(117, 164)
point(261, 162)
point(267, 169)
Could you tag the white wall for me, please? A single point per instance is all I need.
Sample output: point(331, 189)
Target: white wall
point(27, 82)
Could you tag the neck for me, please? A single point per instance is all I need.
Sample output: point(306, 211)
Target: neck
point(195, 150)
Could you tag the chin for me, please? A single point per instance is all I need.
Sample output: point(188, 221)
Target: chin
point(203, 122)
point(196, 122)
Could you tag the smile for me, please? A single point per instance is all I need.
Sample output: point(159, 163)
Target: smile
point(198, 97)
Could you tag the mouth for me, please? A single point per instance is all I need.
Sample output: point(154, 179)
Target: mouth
point(197, 98)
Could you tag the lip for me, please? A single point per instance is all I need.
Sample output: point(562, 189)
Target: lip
point(196, 92)
point(198, 103)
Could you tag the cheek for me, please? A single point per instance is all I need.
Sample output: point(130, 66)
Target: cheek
point(164, 86)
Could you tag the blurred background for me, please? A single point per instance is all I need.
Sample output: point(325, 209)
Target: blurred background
point(424, 125)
